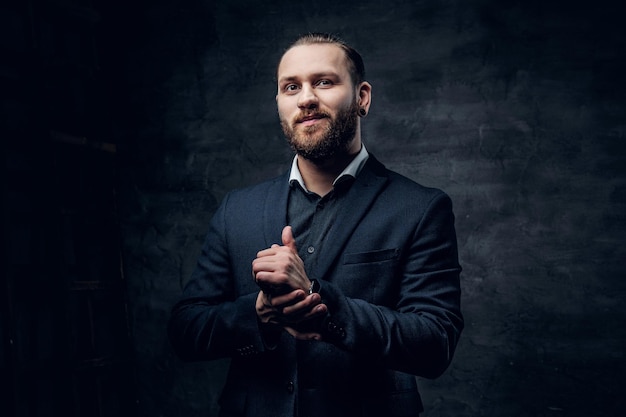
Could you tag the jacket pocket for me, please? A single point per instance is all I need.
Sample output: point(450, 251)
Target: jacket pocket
point(370, 257)
point(370, 276)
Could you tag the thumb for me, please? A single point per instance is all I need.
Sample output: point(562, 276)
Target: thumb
point(288, 239)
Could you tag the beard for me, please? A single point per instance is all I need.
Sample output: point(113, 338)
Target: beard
point(321, 143)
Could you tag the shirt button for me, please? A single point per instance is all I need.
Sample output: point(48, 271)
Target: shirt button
point(310, 249)
point(290, 386)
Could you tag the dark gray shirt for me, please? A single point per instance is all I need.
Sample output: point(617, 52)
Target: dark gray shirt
point(312, 216)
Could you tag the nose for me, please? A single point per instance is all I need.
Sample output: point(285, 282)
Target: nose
point(307, 98)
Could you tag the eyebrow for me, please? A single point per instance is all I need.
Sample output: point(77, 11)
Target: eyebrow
point(315, 75)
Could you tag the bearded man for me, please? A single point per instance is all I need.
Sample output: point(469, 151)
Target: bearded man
point(332, 286)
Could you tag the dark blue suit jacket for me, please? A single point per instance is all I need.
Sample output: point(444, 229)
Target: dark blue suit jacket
point(389, 274)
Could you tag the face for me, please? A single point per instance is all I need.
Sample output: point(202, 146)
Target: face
point(317, 101)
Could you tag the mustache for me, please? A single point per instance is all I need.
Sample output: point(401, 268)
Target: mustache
point(315, 114)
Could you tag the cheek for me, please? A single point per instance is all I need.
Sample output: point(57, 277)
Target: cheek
point(340, 101)
point(284, 109)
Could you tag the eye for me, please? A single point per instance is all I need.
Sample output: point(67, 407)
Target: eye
point(290, 88)
point(324, 83)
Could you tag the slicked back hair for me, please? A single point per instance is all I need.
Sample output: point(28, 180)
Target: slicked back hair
point(356, 67)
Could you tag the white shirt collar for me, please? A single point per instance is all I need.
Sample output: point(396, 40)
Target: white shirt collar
point(352, 169)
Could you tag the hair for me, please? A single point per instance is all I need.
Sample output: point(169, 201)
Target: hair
point(355, 62)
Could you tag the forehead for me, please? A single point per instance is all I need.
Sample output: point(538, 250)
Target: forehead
point(303, 60)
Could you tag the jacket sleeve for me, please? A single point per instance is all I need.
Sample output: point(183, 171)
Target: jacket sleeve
point(211, 320)
point(418, 334)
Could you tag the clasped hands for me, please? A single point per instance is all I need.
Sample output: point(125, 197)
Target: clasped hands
point(284, 299)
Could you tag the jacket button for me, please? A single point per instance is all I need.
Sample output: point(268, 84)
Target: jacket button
point(290, 386)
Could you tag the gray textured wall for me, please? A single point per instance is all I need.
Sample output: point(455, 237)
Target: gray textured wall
point(515, 108)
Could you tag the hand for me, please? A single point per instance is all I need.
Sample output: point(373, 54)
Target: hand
point(306, 311)
point(284, 299)
point(279, 269)
point(290, 310)
point(269, 311)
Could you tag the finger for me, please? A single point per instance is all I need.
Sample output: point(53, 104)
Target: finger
point(305, 315)
point(261, 264)
point(269, 268)
point(288, 239)
point(311, 306)
point(273, 279)
point(264, 310)
point(267, 252)
point(288, 299)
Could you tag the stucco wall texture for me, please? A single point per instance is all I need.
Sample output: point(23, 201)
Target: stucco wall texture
point(515, 108)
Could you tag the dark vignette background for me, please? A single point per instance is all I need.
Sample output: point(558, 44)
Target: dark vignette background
point(515, 108)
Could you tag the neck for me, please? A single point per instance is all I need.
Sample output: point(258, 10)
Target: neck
point(319, 176)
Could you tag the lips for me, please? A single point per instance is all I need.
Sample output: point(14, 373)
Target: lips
point(310, 118)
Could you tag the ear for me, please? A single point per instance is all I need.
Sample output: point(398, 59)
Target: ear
point(364, 96)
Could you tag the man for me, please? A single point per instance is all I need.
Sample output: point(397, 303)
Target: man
point(331, 286)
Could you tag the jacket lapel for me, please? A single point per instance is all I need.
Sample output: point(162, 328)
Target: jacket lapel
point(367, 186)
